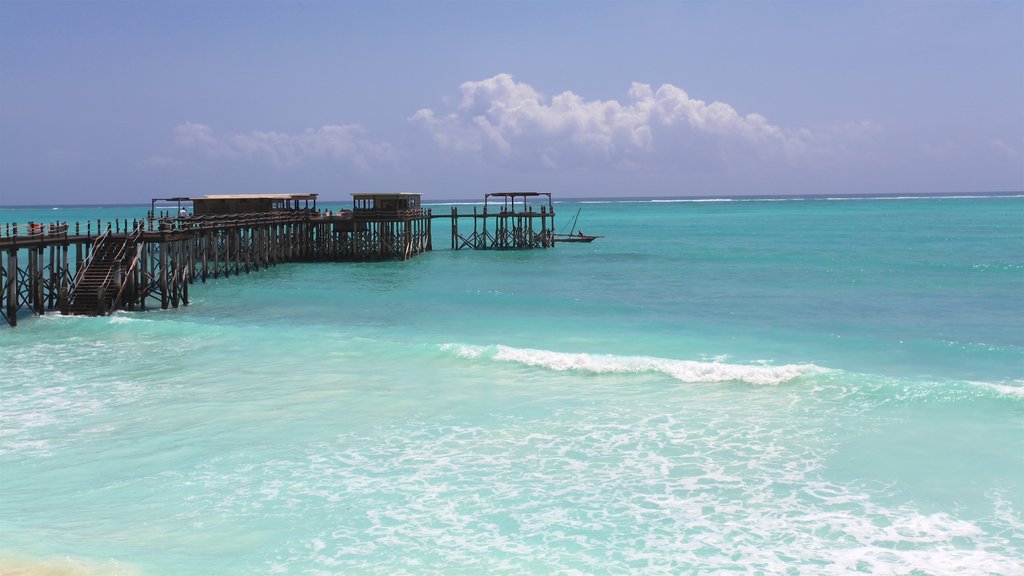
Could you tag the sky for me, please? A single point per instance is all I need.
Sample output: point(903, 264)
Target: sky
point(120, 102)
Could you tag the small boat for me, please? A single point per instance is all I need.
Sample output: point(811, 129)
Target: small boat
point(573, 235)
point(575, 238)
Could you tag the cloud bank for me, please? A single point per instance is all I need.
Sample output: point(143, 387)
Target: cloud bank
point(499, 124)
point(510, 121)
point(282, 150)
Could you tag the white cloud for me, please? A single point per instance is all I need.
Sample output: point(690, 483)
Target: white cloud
point(510, 121)
point(281, 150)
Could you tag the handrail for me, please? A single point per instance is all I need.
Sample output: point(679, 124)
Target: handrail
point(376, 212)
point(15, 233)
point(216, 221)
point(116, 303)
point(33, 230)
point(79, 274)
point(118, 258)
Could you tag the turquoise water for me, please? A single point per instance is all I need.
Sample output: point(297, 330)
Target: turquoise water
point(814, 387)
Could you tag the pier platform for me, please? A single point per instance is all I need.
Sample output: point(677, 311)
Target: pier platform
point(94, 268)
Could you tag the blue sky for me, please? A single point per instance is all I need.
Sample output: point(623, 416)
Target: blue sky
point(119, 102)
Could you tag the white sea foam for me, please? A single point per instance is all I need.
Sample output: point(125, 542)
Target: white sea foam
point(682, 370)
point(1013, 388)
point(673, 201)
point(654, 493)
point(121, 318)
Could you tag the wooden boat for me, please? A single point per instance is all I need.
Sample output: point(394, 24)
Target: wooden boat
point(574, 236)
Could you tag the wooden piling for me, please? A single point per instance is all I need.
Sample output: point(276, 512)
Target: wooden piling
point(12, 287)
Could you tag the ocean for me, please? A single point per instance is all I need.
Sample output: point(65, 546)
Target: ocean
point(767, 386)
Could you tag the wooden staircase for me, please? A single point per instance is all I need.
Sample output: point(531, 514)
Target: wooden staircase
point(95, 289)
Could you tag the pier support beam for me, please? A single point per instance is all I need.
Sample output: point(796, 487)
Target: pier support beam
point(12, 287)
point(163, 275)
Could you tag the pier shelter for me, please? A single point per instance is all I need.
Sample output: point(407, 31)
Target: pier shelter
point(384, 226)
point(363, 203)
point(509, 221)
point(251, 203)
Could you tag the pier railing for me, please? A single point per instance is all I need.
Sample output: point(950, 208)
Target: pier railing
point(377, 214)
point(34, 230)
point(127, 281)
point(14, 234)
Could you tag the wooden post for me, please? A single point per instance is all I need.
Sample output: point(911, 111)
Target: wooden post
point(64, 274)
point(143, 286)
point(215, 243)
point(407, 240)
point(184, 293)
point(257, 245)
point(12, 287)
point(544, 225)
point(191, 244)
point(175, 271)
point(163, 274)
point(51, 284)
point(40, 298)
point(233, 256)
point(31, 296)
point(35, 279)
point(206, 254)
point(3, 285)
point(455, 228)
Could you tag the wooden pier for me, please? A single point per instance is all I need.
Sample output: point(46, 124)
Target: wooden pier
point(95, 268)
point(509, 221)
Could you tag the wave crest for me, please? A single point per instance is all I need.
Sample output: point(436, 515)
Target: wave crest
point(682, 370)
point(1013, 388)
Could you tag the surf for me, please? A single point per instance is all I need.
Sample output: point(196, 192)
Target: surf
point(689, 371)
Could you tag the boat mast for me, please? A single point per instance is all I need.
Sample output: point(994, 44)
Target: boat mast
point(575, 218)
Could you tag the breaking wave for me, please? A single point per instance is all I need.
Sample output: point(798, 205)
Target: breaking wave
point(1013, 389)
point(682, 370)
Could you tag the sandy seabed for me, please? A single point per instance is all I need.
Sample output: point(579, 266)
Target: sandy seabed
point(61, 567)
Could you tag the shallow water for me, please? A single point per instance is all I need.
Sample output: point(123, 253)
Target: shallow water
point(812, 386)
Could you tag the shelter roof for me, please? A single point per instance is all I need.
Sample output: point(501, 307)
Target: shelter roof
point(255, 196)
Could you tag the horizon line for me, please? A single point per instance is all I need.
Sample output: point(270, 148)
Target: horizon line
point(821, 196)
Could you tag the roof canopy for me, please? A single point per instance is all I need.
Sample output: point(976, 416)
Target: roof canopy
point(515, 194)
point(384, 194)
point(256, 196)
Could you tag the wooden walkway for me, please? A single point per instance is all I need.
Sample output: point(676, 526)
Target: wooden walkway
point(94, 270)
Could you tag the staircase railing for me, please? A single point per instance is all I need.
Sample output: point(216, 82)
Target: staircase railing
point(125, 280)
point(80, 274)
point(101, 300)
